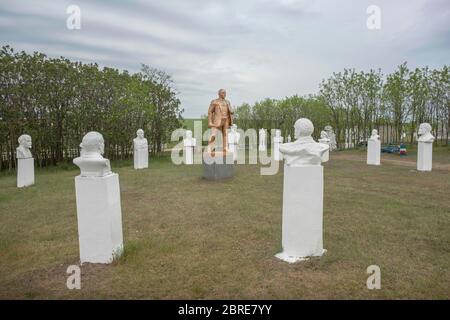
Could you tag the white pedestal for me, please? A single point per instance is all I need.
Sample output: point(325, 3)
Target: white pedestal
point(277, 156)
point(232, 148)
point(99, 218)
point(424, 156)
point(141, 158)
point(262, 147)
point(189, 155)
point(25, 172)
point(302, 228)
point(373, 152)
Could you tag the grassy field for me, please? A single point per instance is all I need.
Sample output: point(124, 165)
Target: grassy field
point(189, 238)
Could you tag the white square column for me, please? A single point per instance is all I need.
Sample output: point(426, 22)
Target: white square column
point(99, 218)
point(25, 172)
point(140, 158)
point(302, 226)
point(424, 156)
point(373, 152)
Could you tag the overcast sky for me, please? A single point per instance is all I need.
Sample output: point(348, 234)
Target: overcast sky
point(253, 48)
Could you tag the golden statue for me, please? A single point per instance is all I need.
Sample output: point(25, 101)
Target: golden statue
point(219, 119)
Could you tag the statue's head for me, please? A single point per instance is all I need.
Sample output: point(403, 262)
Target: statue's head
point(277, 133)
point(303, 128)
point(188, 134)
point(222, 93)
point(93, 143)
point(25, 141)
point(374, 132)
point(323, 134)
point(328, 128)
point(424, 128)
point(140, 133)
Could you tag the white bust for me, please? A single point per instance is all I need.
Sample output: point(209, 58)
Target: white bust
point(304, 151)
point(324, 137)
point(425, 133)
point(91, 161)
point(262, 133)
point(23, 151)
point(188, 140)
point(374, 135)
point(140, 142)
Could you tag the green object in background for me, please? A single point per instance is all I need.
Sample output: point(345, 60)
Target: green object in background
point(403, 151)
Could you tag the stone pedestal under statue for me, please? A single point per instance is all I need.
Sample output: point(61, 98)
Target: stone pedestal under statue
point(189, 145)
point(218, 165)
point(302, 223)
point(99, 211)
point(373, 152)
point(25, 162)
point(425, 148)
point(302, 226)
point(25, 172)
point(425, 156)
point(140, 151)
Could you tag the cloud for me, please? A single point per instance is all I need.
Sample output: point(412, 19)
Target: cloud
point(254, 48)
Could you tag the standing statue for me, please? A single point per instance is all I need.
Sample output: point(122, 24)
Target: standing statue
point(288, 138)
point(140, 150)
point(219, 119)
point(332, 137)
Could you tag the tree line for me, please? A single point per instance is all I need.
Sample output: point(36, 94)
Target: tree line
point(354, 103)
point(57, 101)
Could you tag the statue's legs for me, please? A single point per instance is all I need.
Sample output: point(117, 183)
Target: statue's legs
point(214, 131)
point(212, 139)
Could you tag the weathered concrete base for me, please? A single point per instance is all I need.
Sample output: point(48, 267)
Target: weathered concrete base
point(373, 152)
point(424, 156)
point(99, 218)
point(217, 165)
point(141, 159)
point(293, 259)
point(25, 172)
point(302, 225)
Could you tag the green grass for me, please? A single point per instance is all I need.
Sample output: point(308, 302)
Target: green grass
point(190, 238)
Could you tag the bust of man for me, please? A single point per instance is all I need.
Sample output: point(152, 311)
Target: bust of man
point(324, 137)
point(278, 138)
point(304, 151)
point(374, 135)
point(425, 133)
point(91, 161)
point(262, 136)
point(219, 119)
point(140, 142)
point(188, 140)
point(23, 151)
